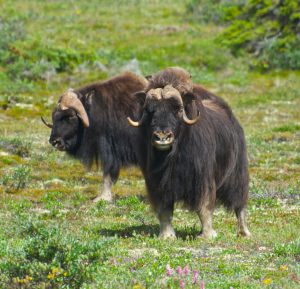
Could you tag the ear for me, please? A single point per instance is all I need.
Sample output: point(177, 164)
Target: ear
point(148, 77)
point(140, 97)
point(188, 98)
point(89, 97)
point(190, 103)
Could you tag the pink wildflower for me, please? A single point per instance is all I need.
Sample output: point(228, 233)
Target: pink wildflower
point(195, 276)
point(186, 269)
point(181, 284)
point(202, 285)
point(179, 270)
point(169, 270)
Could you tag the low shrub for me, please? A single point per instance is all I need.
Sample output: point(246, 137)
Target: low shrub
point(16, 179)
point(15, 145)
point(217, 11)
point(50, 258)
point(269, 30)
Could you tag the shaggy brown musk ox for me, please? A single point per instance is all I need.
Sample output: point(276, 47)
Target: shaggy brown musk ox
point(90, 124)
point(191, 148)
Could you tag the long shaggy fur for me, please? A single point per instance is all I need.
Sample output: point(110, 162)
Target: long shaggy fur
point(109, 138)
point(207, 158)
point(178, 77)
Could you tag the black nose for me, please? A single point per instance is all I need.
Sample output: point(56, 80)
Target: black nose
point(162, 136)
point(57, 142)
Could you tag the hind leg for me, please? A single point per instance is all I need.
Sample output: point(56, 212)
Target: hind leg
point(242, 227)
point(205, 214)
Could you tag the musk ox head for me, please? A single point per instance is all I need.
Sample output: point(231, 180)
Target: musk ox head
point(69, 117)
point(163, 114)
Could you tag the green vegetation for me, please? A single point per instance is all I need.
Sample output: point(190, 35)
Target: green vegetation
point(53, 236)
point(16, 179)
point(216, 11)
point(268, 30)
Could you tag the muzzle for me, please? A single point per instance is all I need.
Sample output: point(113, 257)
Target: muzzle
point(58, 143)
point(162, 140)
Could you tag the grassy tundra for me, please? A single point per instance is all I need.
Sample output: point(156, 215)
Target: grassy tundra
point(53, 236)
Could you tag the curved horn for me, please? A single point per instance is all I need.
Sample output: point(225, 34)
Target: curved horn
point(46, 123)
point(134, 123)
point(189, 121)
point(70, 100)
point(169, 92)
point(154, 93)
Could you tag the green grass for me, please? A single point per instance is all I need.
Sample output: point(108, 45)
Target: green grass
point(53, 236)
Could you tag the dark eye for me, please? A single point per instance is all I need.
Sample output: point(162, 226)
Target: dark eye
point(149, 112)
point(150, 107)
point(178, 110)
point(153, 122)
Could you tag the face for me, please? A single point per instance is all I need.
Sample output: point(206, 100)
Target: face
point(163, 114)
point(65, 131)
point(164, 120)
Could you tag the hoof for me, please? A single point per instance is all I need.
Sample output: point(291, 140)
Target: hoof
point(244, 233)
point(212, 234)
point(103, 197)
point(168, 235)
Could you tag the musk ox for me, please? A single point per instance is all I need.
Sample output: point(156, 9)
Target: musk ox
point(191, 148)
point(90, 124)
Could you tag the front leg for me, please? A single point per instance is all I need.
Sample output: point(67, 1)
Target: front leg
point(165, 216)
point(105, 190)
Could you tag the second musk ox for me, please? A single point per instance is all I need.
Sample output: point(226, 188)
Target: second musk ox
point(90, 124)
point(191, 148)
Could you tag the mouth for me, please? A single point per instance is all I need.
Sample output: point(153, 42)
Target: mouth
point(163, 145)
point(61, 146)
point(162, 140)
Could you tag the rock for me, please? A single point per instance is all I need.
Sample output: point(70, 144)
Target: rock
point(133, 66)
